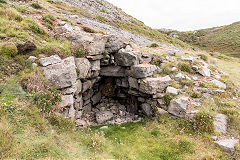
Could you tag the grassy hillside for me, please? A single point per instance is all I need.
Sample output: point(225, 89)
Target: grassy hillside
point(224, 39)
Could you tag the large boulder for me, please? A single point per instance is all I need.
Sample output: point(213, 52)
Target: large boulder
point(83, 65)
point(154, 85)
point(142, 70)
point(126, 58)
point(178, 107)
point(62, 74)
point(93, 44)
point(103, 116)
point(227, 145)
point(50, 60)
point(115, 43)
point(112, 71)
point(220, 123)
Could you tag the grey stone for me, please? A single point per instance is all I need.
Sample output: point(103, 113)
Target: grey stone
point(172, 90)
point(154, 85)
point(75, 89)
point(66, 101)
point(227, 145)
point(86, 85)
point(87, 108)
point(141, 99)
point(95, 57)
point(79, 114)
point(178, 107)
point(83, 66)
point(32, 59)
point(142, 70)
point(95, 65)
point(49, 60)
point(72, 112)
point(205, 72)
point(81, 123)
point(96, 98)
point(179, 77)
point(122, 82)
point(219, 84)
point(115, 43)
point(158, 95)
point(112, 71)
point(147, 109)
point(161, 111)
point(133, 82)
point(103, 116)
point(92, 43)
point(61, 75)
point(220, 123)
point(124, 58)
point(147, 57)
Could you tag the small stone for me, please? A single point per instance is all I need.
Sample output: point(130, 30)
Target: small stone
point(227, 145)
point(103, 116)
point(104, 127)
point(179, 76)
point(81, 123)
point(32, 59)
point(95, 65)
point(172, 90)
point(133, 83)
point(161, 111)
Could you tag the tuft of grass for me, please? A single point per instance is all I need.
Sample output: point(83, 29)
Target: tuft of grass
point(8, 49)
point(78, 52)
point(185, 67)
point(3, 1)
point(167, 98)
point(36, 5)
point(154, 45)
point(34, 27)
point(203, 57)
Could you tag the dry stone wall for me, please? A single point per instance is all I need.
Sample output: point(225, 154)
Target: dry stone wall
point(107, 87)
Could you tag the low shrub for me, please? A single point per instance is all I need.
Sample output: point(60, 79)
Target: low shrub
point(36, 6)
point(203, 57)
point(201, 123)
point(34, 27)
point(154, 45)
point(167, 98)
point(8, 49)
point(46, 101)
point(3, 1)
point(78, 52)
point(48, 18)
point(88, 29)
point(185, 67)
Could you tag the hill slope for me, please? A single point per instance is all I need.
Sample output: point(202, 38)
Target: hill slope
point(224, 39)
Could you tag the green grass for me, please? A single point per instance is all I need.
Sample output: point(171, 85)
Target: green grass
point(224, 39)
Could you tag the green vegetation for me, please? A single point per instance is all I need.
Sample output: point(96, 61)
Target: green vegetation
point(3, 1)
point(36, 5)
point(78, 52)
point(185, 67)
point(154, 45)
point(48, 21)
point(8, 49)
point(167, 98)
point(223, 39)
point(203, 57)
